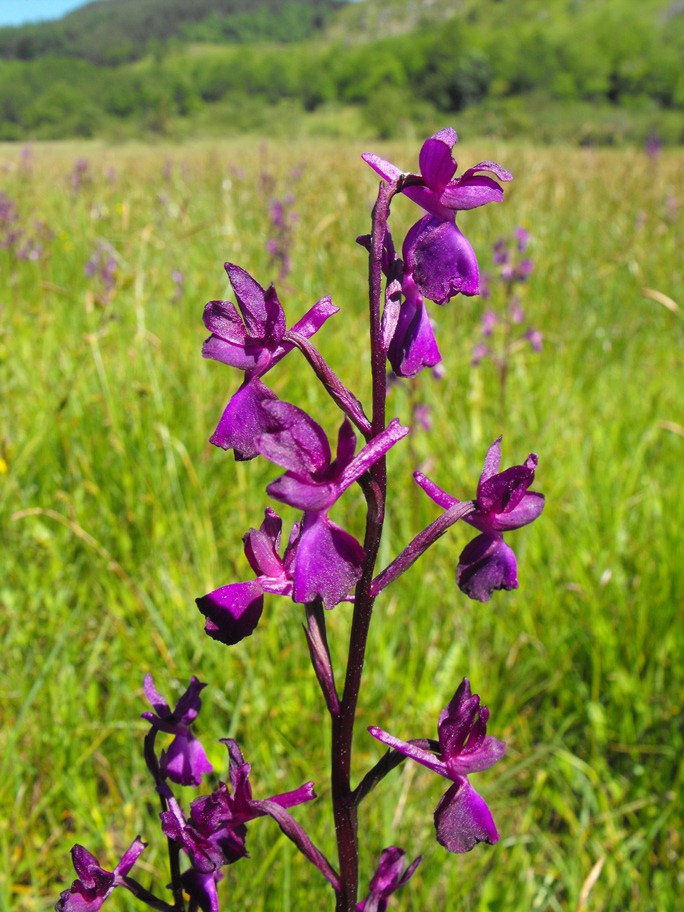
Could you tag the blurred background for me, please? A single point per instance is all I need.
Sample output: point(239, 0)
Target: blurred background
point(145, 142)
point(597, 72)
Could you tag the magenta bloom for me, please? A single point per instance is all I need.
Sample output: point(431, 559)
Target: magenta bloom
point(436, 254)
point(251, 339)
point(185, 762)
point(233, 611)
point(503, 503)
point(462, 818)
point(389, 876)
point(413, 346)
point(94, 884)
point(327, 561)
point(406, 326)
point(215, 833)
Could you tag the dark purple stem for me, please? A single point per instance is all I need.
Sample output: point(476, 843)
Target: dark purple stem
point(374, 485)
point(162, 789)
point(145, 896)
point(294, 832)
point(421, 543)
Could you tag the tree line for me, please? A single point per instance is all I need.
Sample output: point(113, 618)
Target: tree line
point(619, 54)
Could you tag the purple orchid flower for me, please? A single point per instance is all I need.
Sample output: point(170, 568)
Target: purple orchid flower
point(413, 346)
point(407, 328)
point(436, 254)
point(251, 339)
point(462, 818)
point(202, 889)
point(388, 877)
point(185, 761)
point(328, 559)
point(94, 884)
point(233, 611)
point(503, 503)
point(215, 833)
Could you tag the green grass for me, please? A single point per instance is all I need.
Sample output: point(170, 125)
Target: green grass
point(116, 514)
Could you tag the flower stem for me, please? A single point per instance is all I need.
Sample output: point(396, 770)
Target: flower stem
point(421, 543)
point(162, 790)
point(374, 485)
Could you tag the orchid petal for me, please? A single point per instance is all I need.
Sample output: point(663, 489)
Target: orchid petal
point(297, 443)
point(436, 161)
point(462, 819)
point(327, 562)
point(486, 564)
point(233, 611)
point(385, 169)
point(244, 420)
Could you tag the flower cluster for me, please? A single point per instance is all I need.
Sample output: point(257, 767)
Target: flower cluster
point(283, 219)
point(214, 834)
point(102, 268)
point(514, 269)
point(24, 244)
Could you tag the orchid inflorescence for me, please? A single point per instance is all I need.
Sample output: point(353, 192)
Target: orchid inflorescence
point(322, 565)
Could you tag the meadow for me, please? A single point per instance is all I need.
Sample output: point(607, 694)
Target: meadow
point(116, 513)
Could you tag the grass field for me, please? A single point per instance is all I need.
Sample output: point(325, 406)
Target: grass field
point(116, 513)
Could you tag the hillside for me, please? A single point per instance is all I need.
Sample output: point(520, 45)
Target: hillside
point(592, 72)
point(116, 31)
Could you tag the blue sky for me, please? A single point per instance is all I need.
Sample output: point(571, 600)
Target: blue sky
point(16, 12)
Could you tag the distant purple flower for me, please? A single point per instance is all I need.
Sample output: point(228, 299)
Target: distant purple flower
point(10, 233)
point(233, 611)
point(389, 876)
point(480, 352)
point(251, 339)
point(94, 884)
point(462, 818)
point(503, 503)
point(26, 160)
point(513, 269)
point(102, 267)
point(185, 762)
point(522, 237)
point(515, 311)
point(80, 175)
point(283, 218)
point(653, 146)
point(178, 279)
point(535, 338)
point(489, 321)
point(328, 559)
point(422, 416)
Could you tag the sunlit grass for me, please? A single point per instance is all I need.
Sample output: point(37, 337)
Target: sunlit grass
point(116, 514)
